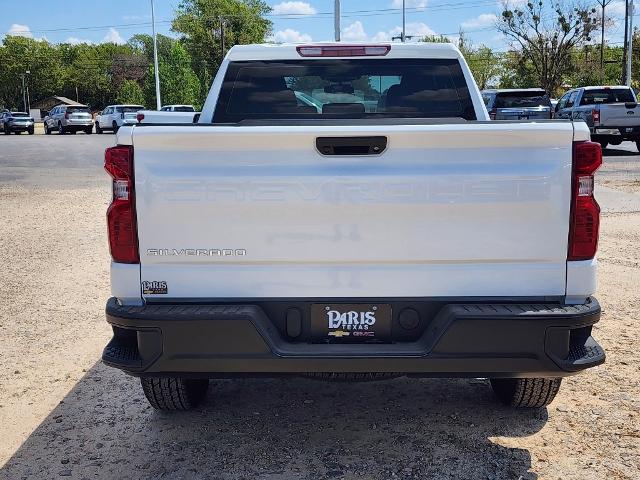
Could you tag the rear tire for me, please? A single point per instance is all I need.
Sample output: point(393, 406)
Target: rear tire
point(169, 393)
point(526, 392)
point(46, 130)
point(31, 131)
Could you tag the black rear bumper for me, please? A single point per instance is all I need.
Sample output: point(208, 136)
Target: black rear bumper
point(458, 340)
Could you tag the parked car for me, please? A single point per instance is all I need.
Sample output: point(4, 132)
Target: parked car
point(517, 104)
point(68, 119)
point(612, 113)
point(16, 122)
point(178, 108)
point(273, 239)
point(115, 116)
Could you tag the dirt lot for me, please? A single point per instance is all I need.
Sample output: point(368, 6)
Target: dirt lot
point(64, 414)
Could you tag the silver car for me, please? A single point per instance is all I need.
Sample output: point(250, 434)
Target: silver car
point(69, 119)
point(517, 104)
point(16, 122)
point(115, 116)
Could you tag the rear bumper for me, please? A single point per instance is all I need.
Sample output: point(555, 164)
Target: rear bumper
point(459, 340)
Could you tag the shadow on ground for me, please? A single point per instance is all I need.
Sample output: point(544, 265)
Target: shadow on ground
point(615, 152)
point(280, 428)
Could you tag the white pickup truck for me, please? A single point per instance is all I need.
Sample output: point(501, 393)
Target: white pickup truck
point(412, 236)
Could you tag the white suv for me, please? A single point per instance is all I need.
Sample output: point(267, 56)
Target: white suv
point(115, 116)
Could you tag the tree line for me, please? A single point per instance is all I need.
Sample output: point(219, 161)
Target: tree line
point(552, 46)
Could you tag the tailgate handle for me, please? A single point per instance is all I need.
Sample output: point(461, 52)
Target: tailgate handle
point(351, 145)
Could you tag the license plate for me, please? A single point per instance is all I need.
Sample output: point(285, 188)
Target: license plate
point(629, 130)
point(352, 322)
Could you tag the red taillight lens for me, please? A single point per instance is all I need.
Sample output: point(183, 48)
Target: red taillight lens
point(585, 212)
point(595, 114)
point(343, 50)
point(139, 117)
point(121, 215)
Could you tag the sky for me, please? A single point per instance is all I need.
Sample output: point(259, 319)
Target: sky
point(293, 21)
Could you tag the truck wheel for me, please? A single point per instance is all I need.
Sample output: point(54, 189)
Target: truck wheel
point(31, 131)
point(526, 392)
point(47, 131)
point(174, 393)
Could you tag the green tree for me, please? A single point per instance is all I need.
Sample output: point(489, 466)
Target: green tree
point(130, 92)
point(546, 33)
point(42, 59)
point(200, 23)
point(178, 83)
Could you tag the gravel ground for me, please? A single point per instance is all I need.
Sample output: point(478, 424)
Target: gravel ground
point(65, 414)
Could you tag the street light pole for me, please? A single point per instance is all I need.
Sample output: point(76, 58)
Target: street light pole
point(404, 32)
point(630, 44)
point(155, 58)
point(336, 20)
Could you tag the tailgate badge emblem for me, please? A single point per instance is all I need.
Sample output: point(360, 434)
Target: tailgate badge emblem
point(339, 333)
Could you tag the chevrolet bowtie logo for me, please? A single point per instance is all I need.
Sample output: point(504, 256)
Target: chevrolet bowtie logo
point(339, 333)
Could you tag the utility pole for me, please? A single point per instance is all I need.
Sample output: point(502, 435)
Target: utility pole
point(336, 20)
point(222, 45)
point(626, 40)
point(155, 58)
point(630, 43)
point(404, 23)
point(603, 4)
point(24, 90)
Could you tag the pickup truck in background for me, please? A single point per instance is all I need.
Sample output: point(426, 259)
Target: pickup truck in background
point(518, 104)
point(167, 116)
point(612, 113)
point(412, 236)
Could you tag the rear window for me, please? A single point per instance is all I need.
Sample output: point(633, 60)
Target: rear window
point(129, 109)
point(19, 114)
point(183, 109)
point(538, 98)
point(78, 109)
point(343, 88)
point(607, 95)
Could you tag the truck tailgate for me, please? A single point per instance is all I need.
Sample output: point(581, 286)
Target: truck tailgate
point(618, 115)
point(471, 209)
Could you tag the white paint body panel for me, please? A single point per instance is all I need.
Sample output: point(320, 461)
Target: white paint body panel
point(471, 209)
point(474, 209)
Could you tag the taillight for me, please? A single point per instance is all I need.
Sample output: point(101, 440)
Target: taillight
point(121, 215)
point(492, 113)
point(139, 117)
point(585, 211)
point(343, 50)
point(595, 114)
